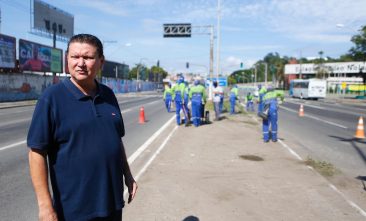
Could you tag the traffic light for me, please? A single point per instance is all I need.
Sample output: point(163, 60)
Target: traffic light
point(187, 65)
point(158, 63)
point(241, 65)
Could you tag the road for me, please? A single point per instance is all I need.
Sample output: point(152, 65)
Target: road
point(326, 133)
point(17, 199)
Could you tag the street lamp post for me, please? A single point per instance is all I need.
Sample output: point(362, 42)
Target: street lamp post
point(137, 73)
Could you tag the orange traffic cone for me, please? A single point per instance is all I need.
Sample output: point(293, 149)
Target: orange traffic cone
point(301, 111)
point(142, 115)
point(360, 132)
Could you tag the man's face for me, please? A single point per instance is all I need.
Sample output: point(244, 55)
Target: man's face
point(83, 61)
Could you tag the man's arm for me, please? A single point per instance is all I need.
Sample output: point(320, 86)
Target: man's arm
point(39, 175)
point(129, 180)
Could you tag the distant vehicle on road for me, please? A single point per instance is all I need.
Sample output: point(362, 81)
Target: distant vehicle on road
point(308, 88)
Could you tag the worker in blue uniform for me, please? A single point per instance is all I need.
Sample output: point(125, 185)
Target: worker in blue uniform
point(233, 96)
point(178, 98)
point(270, 99)
point(197, 94)
point(186, 100)
point(250, 105)
point(261, 93)
point(167, 96)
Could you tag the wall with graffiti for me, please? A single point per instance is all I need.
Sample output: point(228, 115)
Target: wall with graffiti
point(25, 86)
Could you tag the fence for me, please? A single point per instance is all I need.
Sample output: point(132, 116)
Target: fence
point(26, 86)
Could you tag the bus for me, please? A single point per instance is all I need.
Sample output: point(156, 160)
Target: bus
point(308, 88)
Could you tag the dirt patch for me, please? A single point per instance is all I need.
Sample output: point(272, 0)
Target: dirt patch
point(251, 157)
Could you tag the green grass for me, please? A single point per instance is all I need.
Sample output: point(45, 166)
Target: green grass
point(324, 168)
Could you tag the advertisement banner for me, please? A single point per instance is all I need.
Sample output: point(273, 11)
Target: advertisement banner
point(37, 57)
point(7, 51)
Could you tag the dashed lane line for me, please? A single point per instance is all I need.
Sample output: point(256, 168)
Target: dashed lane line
point(316, 118)
point(13, 145)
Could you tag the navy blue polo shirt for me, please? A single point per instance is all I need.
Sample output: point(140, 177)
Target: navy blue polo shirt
point(82, 136)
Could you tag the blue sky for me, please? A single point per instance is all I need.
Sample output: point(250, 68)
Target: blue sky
point(250, 29)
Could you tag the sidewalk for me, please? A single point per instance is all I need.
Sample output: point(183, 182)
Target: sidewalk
point(224, 171)
point(4, 105)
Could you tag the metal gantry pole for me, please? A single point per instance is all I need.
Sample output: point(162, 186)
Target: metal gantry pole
point(211, 50)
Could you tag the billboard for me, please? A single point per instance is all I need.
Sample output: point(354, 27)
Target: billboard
point(49, 19)
point(115, 70)
point(335, 67)
point(7, 51)
point(37, 57)
point(222, 81)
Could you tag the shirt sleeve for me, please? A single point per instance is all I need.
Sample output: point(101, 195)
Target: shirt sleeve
point(40, 131)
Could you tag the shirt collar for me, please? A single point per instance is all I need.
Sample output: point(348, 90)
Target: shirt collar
point(76, 91)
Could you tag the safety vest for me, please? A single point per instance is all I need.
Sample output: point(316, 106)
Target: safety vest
point(271, 96)
point(233, 93)
point(178, 91)
point(198, 94)
point(168, 92)
point(249, 97)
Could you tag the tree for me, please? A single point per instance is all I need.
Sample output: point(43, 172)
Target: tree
point(276, 66)
point(321, 71)
point(158, 73)
point(358, 52)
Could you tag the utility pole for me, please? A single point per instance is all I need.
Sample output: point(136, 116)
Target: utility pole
point(300, 74)
point(265, 73)
point(116, 72)
point(218, 37)
point(255, 73)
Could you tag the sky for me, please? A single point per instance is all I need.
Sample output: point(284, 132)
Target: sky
point(132, 30)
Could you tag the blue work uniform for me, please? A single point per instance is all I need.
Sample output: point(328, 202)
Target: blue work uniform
point(178, 97)
point(186, 100)
point(233, 96)
point(197, 94)
point(221, 104)
point(250, 104)
point(261, 93)
point(168, 95)
point(270, 98)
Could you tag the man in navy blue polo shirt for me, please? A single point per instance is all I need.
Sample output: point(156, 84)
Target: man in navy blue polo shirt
point(78, 125)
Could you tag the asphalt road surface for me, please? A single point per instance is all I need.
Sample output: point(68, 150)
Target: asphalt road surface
point(17, 198)
point(325, 133)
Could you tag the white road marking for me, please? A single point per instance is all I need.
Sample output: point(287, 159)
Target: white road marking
point(15, 121)
point(161, 147)
point(290, 150)
point(13, 145)
point(351, 203)
point(125, 111)
point(133, 157)
point(316, 118)
point(354, 205)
